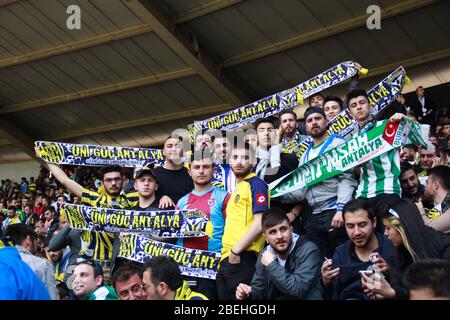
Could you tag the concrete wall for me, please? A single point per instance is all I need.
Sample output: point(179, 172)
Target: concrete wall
point(14, 171)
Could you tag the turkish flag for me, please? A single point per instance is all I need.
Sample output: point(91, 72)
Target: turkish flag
point(390, 131)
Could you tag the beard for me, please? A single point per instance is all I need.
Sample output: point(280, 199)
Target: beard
point(242, 173)
point(290, 133)
point(319, 134)
point(282, 252)
point(365, 243)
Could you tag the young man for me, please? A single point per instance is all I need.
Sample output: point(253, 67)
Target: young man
point(87, 282)
point(327, 199)
point(97, 245)
point(162, 280)
point(173, 179)
point(51, 222)
point(316, 100)
point(38, 206)
point(223, 176)
point(332, 106)
point(437, 190)
point(428, 280)
point(212, 201)
point(288, 133)
point(409, 181)
point(379, 177)
point(10, 218)
point(409, 154)
point(30, 217)
point(271, 162)
point(25, 239)
point(58, 259)
point(146, 185)
point(127, 281)
point(242, 239)
point(203, 140)
point(340, 275)
point(289, 267)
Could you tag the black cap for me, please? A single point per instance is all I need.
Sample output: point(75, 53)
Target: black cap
point(312, 110)
point(140, 171)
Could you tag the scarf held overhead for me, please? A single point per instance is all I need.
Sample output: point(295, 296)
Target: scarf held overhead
point(165, 224)
point(380, 97)
point(277, 102)
point(348, 155)
point(91, 155)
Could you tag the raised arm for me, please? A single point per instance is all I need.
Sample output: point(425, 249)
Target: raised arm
point(61, 176)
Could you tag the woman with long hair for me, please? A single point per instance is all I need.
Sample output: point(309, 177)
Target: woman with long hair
point(413, 241)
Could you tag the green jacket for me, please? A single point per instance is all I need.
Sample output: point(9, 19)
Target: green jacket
point(103, 293)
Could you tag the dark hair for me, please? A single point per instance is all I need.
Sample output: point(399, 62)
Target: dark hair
point(164, 269)
point(336, 99)
point(405, 167)
point(266, 120)
point(126, 271)
point(429, 273)
point(356, 93)
point(61, 195)
point(170, 137)
point(113, 168)
point(289, 112)
point(419, 241)
point(19, 232)
point(63, 291)
point(315, 94)
point(411, 146)
point(311, 110)
point(442, 174)
point(359, 204)
point(98, 270)
point(273, 217)
point(51, 209)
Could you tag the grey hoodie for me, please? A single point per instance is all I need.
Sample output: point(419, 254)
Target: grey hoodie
point(332, 193)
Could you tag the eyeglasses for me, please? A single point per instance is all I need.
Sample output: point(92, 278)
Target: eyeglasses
point(111, 180)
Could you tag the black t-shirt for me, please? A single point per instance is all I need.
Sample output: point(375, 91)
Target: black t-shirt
point(152, 207)
point(173, 183)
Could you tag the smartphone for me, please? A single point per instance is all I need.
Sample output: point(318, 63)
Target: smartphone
point(367, 272)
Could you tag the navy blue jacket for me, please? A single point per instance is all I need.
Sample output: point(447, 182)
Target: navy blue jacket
point(347, 285)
